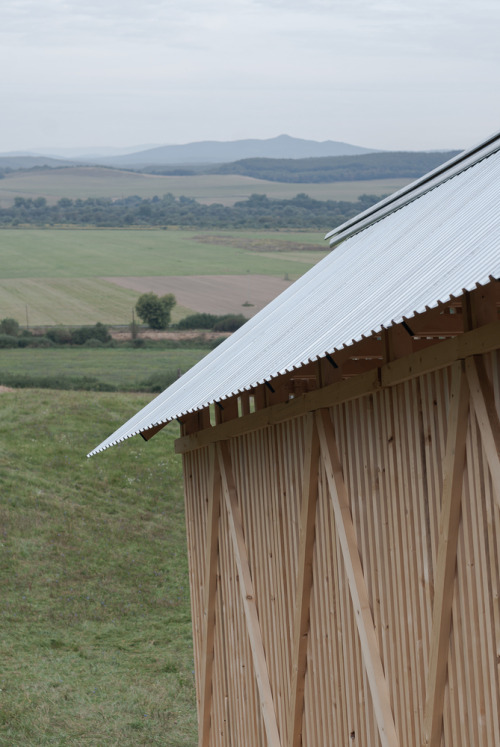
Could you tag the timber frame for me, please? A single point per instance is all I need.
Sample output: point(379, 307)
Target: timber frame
point(344, 543)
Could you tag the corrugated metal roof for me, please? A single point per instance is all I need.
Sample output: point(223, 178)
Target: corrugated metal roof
point(431, 243)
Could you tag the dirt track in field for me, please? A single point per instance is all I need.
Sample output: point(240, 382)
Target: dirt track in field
point(213, 294)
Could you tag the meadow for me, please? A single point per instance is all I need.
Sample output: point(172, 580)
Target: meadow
point(95, 612)
point(123, 368)
point(83, 182)
point(57, 276)
point(74, 253)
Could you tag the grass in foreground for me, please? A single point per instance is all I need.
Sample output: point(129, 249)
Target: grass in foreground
point(95, 635)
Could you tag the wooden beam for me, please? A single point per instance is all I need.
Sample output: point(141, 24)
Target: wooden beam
point(331, 394)
point(346, 532)
point(150, 432)
point(481, 305)
point(248, 596)
point(476, 342)
point(304, 582)
point(485, 411)
point(210, 585)
point(444, 577)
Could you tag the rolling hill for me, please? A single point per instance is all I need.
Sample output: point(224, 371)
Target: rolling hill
point(211, 151)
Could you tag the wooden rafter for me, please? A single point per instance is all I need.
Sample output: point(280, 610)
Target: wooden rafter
point(485, 411)
point(248, 596)
point(444, 577)
point(441, 355)
point(304, 582)
point(210, 584)
point(346, 532)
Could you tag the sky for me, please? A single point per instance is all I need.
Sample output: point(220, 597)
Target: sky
point(388, 74)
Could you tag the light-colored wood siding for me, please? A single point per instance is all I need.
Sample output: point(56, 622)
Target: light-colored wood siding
point(392, 447)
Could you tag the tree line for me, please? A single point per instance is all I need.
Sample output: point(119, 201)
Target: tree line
point(258, 211)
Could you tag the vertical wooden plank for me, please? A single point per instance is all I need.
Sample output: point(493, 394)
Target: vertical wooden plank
point(304, 582)
point(211, 555)
point(453, 468)
point(486, 415)
point(357, 585)
point(248, 596)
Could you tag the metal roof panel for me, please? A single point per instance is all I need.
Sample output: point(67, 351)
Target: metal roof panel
point(425, 249)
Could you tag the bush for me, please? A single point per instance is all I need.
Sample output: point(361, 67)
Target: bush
point(59, 335)
point(218, 341)
point(9, 327)
point(83, 383)
point(41, 342)
point(229, 323)
point(93, 342)
point(8, 341)
point(198, 321)
point(24, 341)
point(80, 335)
point(155, 311)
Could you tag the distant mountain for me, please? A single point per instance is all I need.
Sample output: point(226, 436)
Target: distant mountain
point(90, 152)
point(213, 151)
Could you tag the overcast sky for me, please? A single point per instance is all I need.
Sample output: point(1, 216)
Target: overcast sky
point(394, 74)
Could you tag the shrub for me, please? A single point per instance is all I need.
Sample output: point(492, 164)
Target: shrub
point(9, 327)
point(198, 321)
point(218, 341)
point(8, 341)
point(59, 335)
point(41, 342)
point(229, 323)
point(80, 335)
point(93, 342)
point(85, 383)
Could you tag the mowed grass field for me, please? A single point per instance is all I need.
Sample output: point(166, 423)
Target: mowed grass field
point(120, 367)
point(86, 182)
point(95, 639)
point(57, 276)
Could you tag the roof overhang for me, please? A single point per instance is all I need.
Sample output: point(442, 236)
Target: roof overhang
point(417, 251)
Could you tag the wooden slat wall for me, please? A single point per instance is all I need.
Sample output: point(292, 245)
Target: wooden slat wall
point(392, 447)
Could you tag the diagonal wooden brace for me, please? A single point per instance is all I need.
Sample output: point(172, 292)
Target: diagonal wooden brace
point(211, 558)
point(346, 532)
point(444, 576)
point(304, 582)
point(248, 596)
point(483, 402)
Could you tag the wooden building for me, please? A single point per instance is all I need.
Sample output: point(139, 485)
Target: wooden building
point(342, 482)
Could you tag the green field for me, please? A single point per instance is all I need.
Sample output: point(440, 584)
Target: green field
point(86, 182)
point(57, 276)
point(93, 253)
point(95, 637)
point(121, 367)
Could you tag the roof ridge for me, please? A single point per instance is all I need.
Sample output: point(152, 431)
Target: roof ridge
point(415, 189)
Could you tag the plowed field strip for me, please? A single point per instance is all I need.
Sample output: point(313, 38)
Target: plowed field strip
point(213, 294)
